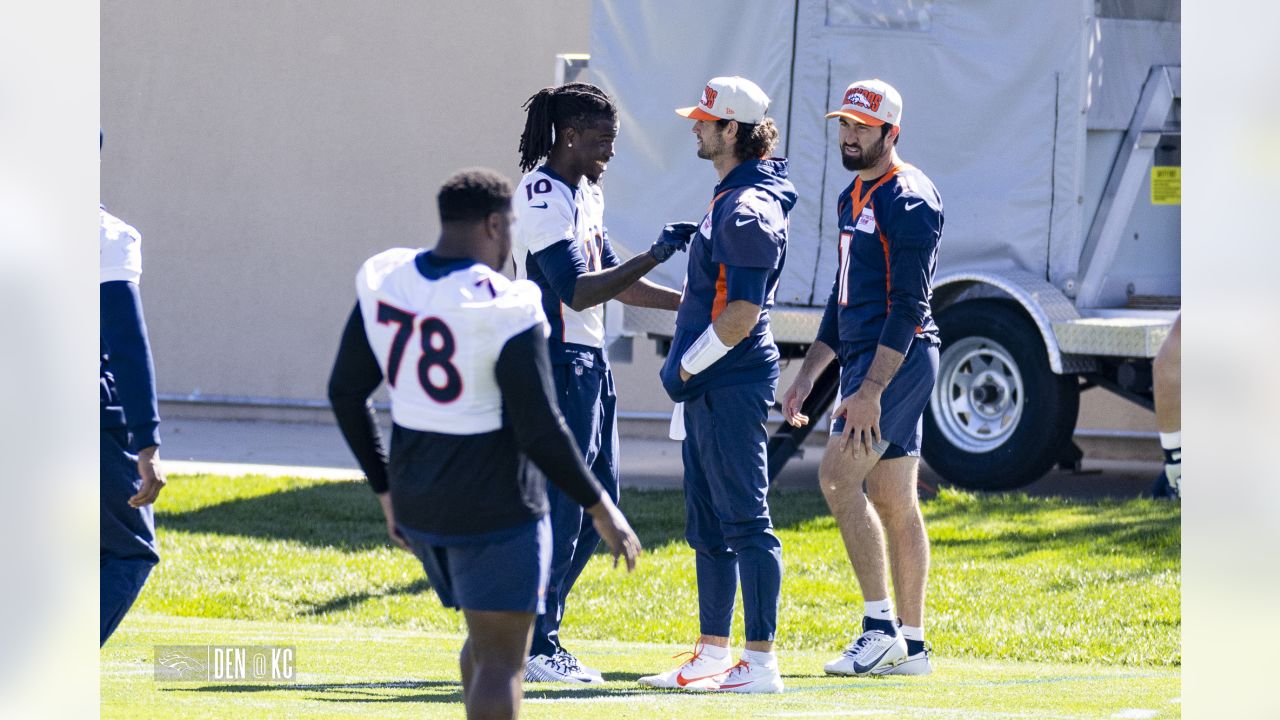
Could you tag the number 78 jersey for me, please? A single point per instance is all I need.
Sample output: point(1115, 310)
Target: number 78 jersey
point(437, 327)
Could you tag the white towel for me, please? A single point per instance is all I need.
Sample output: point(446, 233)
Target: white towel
point(676, 432)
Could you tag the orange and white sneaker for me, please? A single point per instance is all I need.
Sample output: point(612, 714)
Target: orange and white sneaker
point(748, 678)
point(699, 672)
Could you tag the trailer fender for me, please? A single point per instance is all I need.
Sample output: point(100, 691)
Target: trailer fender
point(1042, 302)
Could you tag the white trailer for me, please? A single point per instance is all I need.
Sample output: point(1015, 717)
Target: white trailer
point(1052, 132)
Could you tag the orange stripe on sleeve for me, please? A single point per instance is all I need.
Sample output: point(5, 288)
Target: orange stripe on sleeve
point(884, 243)
point(722, 295)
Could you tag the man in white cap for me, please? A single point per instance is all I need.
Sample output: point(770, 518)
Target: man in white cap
point(878, 324)
point(723, 372)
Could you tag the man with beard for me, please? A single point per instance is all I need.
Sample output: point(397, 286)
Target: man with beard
point(723, 371)
point(878, 324)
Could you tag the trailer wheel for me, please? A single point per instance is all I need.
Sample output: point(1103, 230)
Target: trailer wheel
point(999, 418)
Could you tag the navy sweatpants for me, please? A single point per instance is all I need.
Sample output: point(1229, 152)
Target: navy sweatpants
point(584, 388)
point(128, 536)
point(726, 479)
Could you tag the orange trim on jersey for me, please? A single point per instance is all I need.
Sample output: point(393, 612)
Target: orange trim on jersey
point(884, 243)
point(722, 283)
point(722, 294)
point(719, 195)
point(860, 202)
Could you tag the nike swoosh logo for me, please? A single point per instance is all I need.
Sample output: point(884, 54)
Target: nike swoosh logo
point(912, 206)
point(682, 681)
point(540, 206)
point(740, 223)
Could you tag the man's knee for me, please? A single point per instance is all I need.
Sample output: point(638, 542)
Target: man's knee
point(891, 487)
point(715, 546)
point(1167, 369)
point(755, 535)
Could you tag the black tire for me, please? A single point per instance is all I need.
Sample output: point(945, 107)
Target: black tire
point(1020, 415)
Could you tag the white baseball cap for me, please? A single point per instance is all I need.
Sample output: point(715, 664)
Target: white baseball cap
point(871, 102)
point(730, 98)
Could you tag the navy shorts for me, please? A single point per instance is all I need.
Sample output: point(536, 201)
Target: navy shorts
point(902, 404)
point(506, 575)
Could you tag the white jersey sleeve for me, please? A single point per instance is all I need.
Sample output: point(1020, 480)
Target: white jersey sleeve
point(545, 214)
point(437, 338)
point(519, 308)
point(119, 250)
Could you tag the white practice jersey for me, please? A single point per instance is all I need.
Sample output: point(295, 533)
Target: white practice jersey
point(119, 249)
point(548, 212)
point(437, 339)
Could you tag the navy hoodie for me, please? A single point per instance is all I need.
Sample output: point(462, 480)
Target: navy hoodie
point(737, 254)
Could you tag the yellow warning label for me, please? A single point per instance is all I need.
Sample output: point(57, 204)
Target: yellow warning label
point(1166, 185)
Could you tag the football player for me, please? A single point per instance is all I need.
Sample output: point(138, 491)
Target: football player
point(561, 244)
point(463, 352)
point(879, 326)
point(130, 475)
point(723, 370)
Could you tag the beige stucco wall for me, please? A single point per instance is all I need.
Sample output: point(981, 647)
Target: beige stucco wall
point(264, 149)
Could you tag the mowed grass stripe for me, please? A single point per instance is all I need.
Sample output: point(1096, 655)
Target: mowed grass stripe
point(1013, 577)
point(403, 674)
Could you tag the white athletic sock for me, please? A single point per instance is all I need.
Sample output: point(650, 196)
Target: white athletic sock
point(1172, 445)
point(763, 659)
point(714, 652)
point(912, 633)
point(878, 609)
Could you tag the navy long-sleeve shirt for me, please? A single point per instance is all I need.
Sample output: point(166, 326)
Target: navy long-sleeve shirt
point(888, 254)
point(126, 373)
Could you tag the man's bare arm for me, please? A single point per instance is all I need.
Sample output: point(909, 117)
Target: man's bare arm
point(648, 294)
point(593, 288)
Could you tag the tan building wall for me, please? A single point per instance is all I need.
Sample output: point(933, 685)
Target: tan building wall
point(264, 149)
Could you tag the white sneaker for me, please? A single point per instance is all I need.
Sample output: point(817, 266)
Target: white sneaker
point(698, 670)
point(747, 678)
point(873, 650)
point(919, 664)
point(561, 667)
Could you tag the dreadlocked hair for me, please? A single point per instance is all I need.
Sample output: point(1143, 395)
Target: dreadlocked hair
point(552, 109)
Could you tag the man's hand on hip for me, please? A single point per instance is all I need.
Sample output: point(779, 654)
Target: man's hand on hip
point(861, 412)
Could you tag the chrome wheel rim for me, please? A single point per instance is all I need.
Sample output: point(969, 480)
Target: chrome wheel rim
point(979, 397)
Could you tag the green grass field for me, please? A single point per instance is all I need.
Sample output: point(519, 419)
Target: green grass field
point(1038, 608)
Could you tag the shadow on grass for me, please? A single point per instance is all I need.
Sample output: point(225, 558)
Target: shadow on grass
point(1024, 525)
point(346, 602)
point(345, 515)
point(448, 691)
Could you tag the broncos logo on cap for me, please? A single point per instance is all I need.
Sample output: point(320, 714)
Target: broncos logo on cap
point(709, 97)
point(863, 97)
